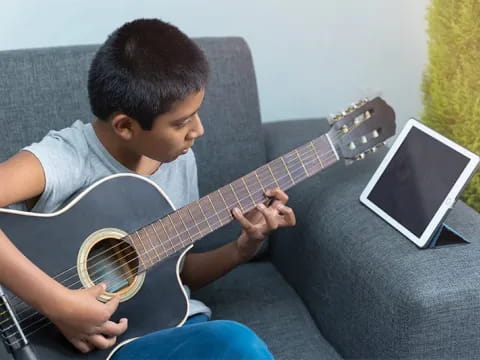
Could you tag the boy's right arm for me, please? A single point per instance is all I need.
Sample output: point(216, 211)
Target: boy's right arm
point(77, 313)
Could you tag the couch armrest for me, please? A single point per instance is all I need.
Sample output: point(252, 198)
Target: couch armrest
point(372, 292)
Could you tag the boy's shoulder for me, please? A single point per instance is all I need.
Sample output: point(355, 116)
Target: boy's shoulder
point(71, 141)
point(74, 133)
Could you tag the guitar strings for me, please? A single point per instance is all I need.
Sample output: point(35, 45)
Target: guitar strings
point(44, 318)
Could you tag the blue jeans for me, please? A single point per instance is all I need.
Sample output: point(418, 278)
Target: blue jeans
point(198, 339)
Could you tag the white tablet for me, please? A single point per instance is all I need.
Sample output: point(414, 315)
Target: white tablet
point(418, 181)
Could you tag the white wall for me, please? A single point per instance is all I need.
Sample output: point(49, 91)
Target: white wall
point(312, 57)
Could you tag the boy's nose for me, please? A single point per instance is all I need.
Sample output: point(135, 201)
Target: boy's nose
point(198, 129)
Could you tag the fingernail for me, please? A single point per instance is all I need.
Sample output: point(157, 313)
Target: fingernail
point(236, 211)
point(280, 207)
point(261, 206)
point(104, 286)
point(268, 192)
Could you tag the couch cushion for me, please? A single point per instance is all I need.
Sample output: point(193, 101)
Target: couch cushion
point(40, 90)
point(256, 295)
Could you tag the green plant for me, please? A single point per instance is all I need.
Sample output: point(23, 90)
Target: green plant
point(451, 83)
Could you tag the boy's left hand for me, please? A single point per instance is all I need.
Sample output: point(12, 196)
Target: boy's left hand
point(257, 223)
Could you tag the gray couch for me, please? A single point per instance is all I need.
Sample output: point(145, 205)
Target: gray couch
point(341, 284)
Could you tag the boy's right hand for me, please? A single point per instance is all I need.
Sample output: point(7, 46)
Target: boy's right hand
point(85, 321)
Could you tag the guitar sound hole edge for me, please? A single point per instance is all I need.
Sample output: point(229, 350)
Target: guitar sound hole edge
point(105, 257)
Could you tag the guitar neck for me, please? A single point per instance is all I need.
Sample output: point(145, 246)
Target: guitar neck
point(199, 218)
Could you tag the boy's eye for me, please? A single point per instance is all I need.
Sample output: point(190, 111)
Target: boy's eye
point(182, 124)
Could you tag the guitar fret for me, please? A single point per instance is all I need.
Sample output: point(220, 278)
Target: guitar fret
point(327, 153)
point(301, 162)
point(202, 223)
point(215, 210)
point(257, 192)
point(248, 190)
point(258, 179)
point(266, 178)
point(243, 194)
point(176, 231)
point(210, 213)
point(168, 237)
point(144, 248)
point(226, 205)
point(309, 159)
point(160, 240)
point(204, 215)
point(223, 198)
point(151, 243)
point(184, 225)
point(202, 205)
point(274, 178)
point(316, 154)
point(297, 169)
point(199, 231)
point(284, 177)
point(236, 197)
point(286, 168)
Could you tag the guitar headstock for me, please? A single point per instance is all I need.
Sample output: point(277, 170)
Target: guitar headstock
point(362, 128)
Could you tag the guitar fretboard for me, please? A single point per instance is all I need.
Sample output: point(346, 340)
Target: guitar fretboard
point(182, 228)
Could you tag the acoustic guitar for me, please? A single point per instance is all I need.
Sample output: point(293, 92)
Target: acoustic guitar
point(124, 231)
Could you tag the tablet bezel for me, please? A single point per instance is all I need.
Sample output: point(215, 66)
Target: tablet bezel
point(447, 203)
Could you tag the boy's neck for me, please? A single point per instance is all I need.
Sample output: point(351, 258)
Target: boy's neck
point(141, 165)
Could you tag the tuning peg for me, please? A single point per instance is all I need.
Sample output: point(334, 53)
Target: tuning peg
point(344, 129)
point(350, 109)
point(358, 120)
point(375, 134)
point(333, 118)
point(360, 156)
point(361, 102)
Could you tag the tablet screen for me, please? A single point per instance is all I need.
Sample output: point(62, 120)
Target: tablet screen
point(417, 180)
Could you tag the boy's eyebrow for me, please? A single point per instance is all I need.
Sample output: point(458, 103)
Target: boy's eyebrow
point(186, 117)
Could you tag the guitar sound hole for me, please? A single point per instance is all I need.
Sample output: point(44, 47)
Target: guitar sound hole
point(113, 262)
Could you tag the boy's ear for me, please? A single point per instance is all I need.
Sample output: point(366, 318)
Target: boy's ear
point(124, 126)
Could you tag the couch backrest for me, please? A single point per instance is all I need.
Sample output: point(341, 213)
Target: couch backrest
point(43, 89)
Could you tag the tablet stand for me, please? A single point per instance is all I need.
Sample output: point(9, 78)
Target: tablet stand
point(445, 236)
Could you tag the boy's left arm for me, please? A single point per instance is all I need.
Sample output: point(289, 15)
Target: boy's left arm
point(202, 268)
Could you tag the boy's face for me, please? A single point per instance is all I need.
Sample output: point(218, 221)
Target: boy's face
point(172, 133)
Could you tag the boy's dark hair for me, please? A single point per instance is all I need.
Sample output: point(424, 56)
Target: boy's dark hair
point(142, 69)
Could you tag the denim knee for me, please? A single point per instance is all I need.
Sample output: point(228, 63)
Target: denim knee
point(239, 341)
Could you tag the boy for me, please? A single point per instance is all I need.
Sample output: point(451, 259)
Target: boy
point(146, 84)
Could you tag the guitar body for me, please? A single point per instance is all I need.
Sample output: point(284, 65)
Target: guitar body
point(124, 202)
